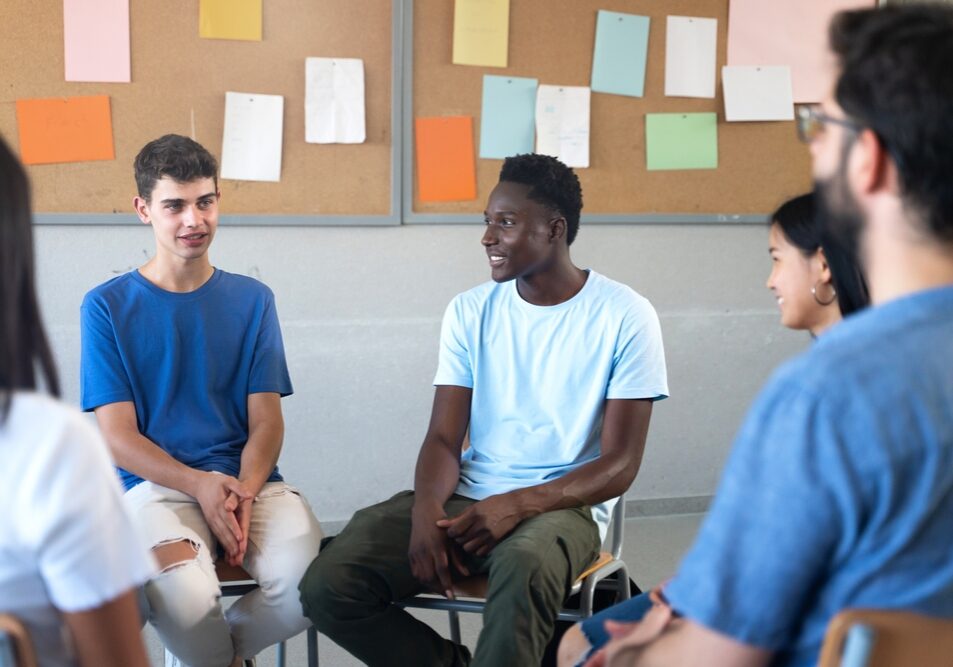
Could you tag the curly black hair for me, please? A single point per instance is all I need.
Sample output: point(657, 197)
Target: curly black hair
point(551, 183)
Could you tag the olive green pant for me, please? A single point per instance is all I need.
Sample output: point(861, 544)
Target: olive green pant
point(348, 589)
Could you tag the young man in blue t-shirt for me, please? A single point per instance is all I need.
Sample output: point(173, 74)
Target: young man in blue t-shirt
point(184, 367)
point(552, 370)
point(839, 489)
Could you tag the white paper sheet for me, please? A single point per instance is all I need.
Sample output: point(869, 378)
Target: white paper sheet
point(757, 93)
point(562, 123)
point(251, 144)
point(690, 56)
point(334, 101)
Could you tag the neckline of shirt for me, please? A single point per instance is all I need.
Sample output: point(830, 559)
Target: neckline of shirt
point(179, 296)
point(568, 303)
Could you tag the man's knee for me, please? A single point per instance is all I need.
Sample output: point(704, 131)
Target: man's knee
point(185, 591)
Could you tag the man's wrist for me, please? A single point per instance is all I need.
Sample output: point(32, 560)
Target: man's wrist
point(427, 509)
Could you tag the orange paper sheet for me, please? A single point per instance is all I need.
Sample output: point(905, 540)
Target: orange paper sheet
point(446, 166)
point(65, 129)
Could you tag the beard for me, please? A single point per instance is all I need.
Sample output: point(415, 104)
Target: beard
point(839, 216)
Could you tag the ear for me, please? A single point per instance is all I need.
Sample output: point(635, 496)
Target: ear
point(141, 207)
point(872, 165)
point(824, 268)
point(557, 228)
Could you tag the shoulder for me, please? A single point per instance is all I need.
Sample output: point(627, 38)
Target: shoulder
point(50, 433)
point(107, 292)
point(244, 286)
point(619, 299)
point(475, 299)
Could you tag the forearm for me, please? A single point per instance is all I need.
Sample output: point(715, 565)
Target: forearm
point(137, 454)
point(260, 455)
point(597, 481)
point(436, 476)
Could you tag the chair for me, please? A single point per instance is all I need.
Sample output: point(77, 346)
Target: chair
point(887, 638)
point(16, 649)
point(595, 576)
point(235, 581)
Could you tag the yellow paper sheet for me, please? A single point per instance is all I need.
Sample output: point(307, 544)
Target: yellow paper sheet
point(230, 19)
point(481, 30)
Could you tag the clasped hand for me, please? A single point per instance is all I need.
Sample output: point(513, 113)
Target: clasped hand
point(226, 505)
point(481, 526)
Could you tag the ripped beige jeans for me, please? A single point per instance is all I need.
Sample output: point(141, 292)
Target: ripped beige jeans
point(184, 599)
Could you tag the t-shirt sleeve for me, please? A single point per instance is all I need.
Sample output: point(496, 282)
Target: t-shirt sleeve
point(87, 549)
point(453, 366)
point(103, 378)
point(269, 368)
point(782, 507)
point(638, 366)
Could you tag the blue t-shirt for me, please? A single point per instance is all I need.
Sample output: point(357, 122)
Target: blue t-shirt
point(839, 490)
point(540, 377)
point(188, 361)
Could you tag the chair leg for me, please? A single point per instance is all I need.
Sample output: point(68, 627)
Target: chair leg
point(454, 627)
point(312, 647)
point(281, 655)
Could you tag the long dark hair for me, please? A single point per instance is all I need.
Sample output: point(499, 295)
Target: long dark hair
point(799, 222)
point(23, 344)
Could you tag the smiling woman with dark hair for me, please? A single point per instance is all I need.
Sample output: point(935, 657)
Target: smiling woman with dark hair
point(68, 553)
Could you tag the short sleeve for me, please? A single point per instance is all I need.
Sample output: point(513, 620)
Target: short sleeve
point(453, 366)
point(779, 514)
point(638, 365)
point(86, 546)
point(269, 368)
point(103, 377)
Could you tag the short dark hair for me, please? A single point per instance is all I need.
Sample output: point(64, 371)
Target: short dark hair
point(800, 223)
point(551, 183)
point(24, 348)
point(897, 79)
point(180, 158)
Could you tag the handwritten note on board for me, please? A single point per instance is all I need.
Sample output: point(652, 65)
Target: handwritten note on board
point(65, 129)
point(334, 101)
point(230, 19)
point(446, 165)
point(96, 40)
point(618, 61)
point(507, 121)
point(562, 123)
point(481, 31)
point(251, 145)
point(681, 141)
point(690, 56)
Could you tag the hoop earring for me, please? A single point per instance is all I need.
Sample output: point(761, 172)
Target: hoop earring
point(823, 303)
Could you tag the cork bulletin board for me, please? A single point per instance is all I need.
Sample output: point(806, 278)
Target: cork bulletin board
point(759, 163)
point(178, 85)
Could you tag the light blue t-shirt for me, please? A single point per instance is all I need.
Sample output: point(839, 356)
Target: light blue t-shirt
point(188, 361)
point(540, 377)
point(839, 490)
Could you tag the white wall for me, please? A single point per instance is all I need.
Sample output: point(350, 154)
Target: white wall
point(360, 310)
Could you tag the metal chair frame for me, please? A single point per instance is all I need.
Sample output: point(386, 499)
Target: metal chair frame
point(610, 562)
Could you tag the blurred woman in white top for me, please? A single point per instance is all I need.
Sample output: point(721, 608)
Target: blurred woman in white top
point(70, 562)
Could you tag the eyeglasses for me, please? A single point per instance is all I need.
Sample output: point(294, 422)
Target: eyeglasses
point(811, 121)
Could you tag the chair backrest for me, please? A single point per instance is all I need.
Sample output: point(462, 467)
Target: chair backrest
point(16, 649)
point(887, 638)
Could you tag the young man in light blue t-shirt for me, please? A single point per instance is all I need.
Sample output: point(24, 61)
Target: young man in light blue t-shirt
point(184, 367)
point(551, 371)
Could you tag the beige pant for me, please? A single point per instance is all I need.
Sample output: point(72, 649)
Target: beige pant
point(184, 600)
